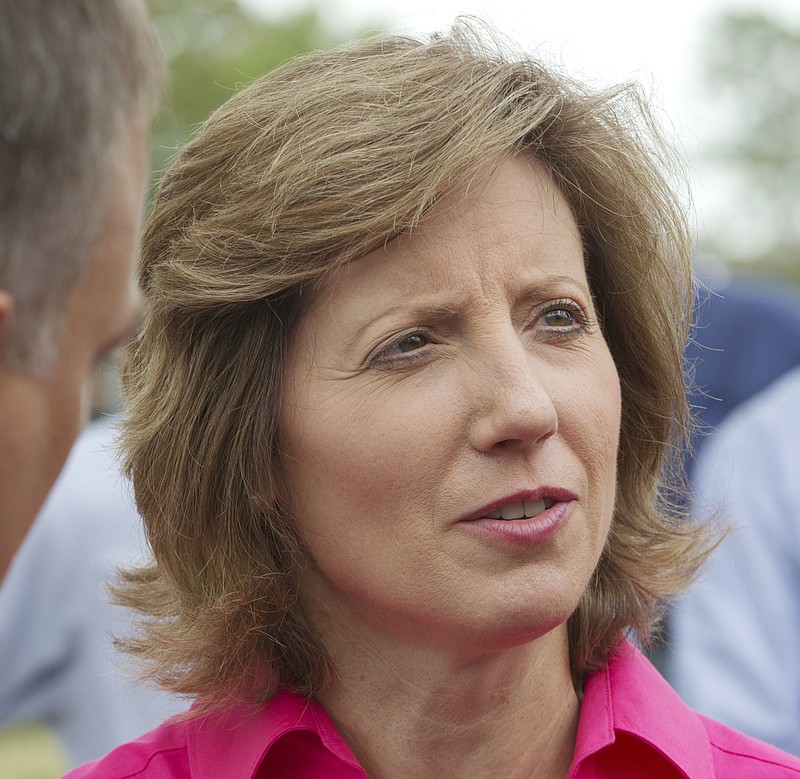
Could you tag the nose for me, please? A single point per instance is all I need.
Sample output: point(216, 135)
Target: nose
point(512, 407)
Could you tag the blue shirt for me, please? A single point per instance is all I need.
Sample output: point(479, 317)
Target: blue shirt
point(58, 666)
point(736, 636)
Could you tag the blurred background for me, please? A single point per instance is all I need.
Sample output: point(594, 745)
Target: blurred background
point(725, 76)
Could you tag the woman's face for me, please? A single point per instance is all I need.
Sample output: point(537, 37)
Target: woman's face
point(437, 389)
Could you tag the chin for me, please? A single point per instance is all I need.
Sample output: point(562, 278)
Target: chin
point(512, 629)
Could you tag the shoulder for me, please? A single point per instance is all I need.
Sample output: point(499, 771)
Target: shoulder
point(631, 699)
point(160, 754)
point(755, 444)
point(774, 409)
point(736, 754)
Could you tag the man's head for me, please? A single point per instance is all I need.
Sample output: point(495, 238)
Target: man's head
point(80, 82)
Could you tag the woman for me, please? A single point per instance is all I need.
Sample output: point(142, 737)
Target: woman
point(399, 410)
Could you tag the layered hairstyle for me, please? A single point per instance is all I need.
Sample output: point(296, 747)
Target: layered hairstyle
point(305, 170)
point(74, 75)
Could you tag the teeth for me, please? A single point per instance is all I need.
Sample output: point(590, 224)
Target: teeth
point(534, 507)
point(515, 510)
point(519, 509)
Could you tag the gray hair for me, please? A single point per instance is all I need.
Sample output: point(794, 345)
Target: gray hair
point(74, 73)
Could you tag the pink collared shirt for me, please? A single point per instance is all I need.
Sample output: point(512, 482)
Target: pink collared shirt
point(631, 725)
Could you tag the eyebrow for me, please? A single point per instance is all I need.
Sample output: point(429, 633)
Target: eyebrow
point(438, 311)
point(428, 311)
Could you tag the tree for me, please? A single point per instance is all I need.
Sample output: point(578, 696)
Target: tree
point(750, 74)
point(213, 47)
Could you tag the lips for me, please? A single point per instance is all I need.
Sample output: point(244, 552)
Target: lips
point(525, 504)
point(522, 520)
point(521, 509)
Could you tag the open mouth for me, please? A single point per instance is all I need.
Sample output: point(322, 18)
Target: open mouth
point(521, 509)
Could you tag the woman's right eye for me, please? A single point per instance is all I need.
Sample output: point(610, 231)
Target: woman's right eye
point(403, 349)
point(411, 342)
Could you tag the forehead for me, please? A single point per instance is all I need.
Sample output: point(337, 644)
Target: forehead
point(516, 228)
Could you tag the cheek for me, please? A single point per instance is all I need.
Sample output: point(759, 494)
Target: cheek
point(593, 423)
point(344, 426)
point(356, 455)
point(608, 415)
point(593, 403)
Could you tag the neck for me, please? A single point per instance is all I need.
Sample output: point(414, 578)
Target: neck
point(410, 712)
point(30, 458)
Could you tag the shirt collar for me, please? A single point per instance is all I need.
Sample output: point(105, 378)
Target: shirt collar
point(236, 741)
point(627, 696)
point(630, 696)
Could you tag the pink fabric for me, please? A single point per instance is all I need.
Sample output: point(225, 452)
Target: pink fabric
point(632, 725)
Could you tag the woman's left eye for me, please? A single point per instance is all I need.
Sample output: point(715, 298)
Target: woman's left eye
point(561, 317)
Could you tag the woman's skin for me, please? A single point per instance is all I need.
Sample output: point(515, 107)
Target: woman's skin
point(451, 375)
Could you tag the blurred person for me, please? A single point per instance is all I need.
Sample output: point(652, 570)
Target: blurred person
point(408, 379)
point(730, 360)
point(60, 668)
point(736, 635)
point(80, 82)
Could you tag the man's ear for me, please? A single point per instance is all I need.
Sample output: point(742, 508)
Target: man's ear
point(6, 307)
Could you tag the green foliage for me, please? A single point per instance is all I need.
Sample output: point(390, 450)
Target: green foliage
point(754, 62)
point(213, 47)
point(752, 73)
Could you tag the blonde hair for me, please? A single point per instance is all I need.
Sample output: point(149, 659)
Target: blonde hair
point(309, 168)
point(75, 74)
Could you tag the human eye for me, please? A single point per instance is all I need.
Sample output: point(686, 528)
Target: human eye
point(562, 318)
point(407, 348)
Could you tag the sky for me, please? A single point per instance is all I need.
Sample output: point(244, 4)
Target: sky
point(659, 44)
point(610, 40)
